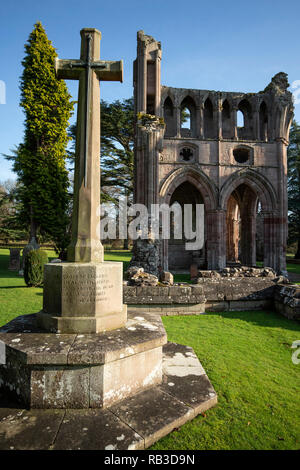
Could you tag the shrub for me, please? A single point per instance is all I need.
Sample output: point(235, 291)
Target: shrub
point(34, 267)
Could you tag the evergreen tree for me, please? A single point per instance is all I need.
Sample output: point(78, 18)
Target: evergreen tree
point(40, 160)
point(117, 140)
point(10, 227)
point(294, 186)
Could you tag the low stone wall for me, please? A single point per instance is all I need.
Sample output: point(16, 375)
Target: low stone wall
point(165, 300)
point(287, 301)
point(217, 294)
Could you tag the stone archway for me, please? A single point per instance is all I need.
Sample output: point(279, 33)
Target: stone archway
point(248, 188)
point(233, 216)
point(190, 186)
point(241, 226)
point(179, 257)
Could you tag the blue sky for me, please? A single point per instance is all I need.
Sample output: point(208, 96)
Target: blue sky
point(231, 46)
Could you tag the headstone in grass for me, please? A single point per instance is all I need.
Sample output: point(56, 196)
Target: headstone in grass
point(14, 259)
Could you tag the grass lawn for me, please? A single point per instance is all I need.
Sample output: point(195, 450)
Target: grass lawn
point(247, 356)
point(293, 268)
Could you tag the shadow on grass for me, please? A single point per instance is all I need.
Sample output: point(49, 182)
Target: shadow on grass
point(13, 287)
point(264, 318)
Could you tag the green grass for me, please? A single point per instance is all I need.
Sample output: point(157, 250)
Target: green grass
point(15, 297)
point(119, 255)
point(247, 356)
point(293, 268)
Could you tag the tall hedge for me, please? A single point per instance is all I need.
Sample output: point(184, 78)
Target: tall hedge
point(34, 267)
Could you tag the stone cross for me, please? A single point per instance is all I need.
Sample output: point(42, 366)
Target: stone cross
point(85, 245)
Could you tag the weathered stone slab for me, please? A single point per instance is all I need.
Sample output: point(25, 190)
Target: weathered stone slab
point(196, 392)
point(39, 348)
point(60, 387)
point(83, 325)
point(211, 289)
point(166, 309)
point(197, 290)
point(15, 377)
point(185, 379)
point(143, 332)
point(153, 414)
point(178, 291)
point(133, 423)
point(94, 430)
point(98, 349)
point(112, 382)
point(80, 371)
point(129, 291)
point(180, 361)
point(28, 430)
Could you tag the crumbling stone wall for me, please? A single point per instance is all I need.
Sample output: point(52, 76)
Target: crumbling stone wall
point(220, 159)
point(287, 301)
point(214, 294)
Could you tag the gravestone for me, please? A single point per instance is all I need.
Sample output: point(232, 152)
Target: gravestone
point(14, 259)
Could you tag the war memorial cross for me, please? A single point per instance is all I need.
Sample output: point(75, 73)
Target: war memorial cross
point(89, 70)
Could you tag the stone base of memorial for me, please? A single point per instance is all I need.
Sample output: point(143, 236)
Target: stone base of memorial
point(82, 298)
point(46, 370)
point(135, 422)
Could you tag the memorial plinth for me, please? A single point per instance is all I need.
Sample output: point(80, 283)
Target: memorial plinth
point(82, 298)
point(46, 370)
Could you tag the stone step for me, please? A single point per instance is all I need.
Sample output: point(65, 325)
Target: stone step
point(134, 423)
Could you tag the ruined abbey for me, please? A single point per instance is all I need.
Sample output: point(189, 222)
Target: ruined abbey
point(226, 150)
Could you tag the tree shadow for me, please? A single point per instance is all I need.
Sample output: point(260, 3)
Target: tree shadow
point(13, 287)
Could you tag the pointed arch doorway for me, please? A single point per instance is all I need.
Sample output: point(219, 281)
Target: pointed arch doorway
point(179, 258)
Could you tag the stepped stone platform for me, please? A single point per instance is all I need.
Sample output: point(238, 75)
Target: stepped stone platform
point(47, 370)
point(133, 423)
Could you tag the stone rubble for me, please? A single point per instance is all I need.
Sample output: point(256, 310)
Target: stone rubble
point(166, 278)
point(241, 271)
point(136, 276)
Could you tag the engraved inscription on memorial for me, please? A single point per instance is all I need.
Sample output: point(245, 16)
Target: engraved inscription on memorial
point(87, 287)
